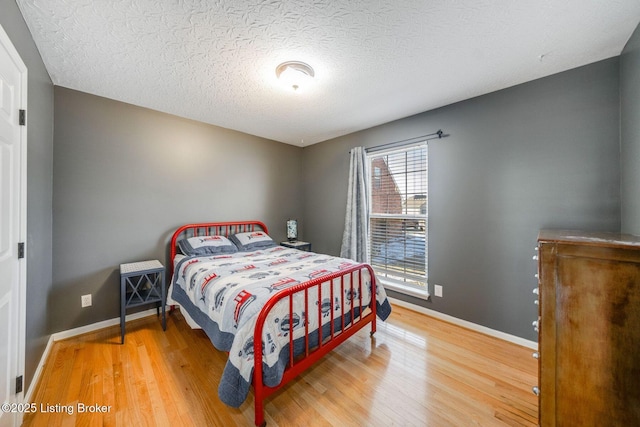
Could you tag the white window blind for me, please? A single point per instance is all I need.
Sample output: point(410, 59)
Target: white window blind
point(398, 215)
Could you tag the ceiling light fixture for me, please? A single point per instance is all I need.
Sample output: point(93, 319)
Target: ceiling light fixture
point(294, 74)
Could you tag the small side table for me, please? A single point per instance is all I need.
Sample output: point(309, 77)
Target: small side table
point(142, 283)
point(297, 244)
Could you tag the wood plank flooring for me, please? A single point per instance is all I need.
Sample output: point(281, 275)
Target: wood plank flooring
point(416, 371)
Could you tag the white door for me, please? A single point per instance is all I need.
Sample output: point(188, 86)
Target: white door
point(12, 226)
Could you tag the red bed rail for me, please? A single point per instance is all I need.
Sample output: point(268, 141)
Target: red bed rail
point(312, 351)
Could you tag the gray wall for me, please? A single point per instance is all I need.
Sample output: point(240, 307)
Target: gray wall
point(541, 154)
point(39, 187)
point(630, 134)
point(127, 177)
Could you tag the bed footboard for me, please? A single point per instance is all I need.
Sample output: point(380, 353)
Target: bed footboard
point(350, 283)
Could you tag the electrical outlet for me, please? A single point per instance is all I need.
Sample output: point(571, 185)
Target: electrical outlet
point(85, 300)
point(437, 289)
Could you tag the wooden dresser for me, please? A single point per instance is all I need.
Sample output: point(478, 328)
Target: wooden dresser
point(589, 329)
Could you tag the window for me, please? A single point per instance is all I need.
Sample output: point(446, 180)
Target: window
point(398, 217)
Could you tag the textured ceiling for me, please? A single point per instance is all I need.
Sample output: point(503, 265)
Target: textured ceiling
point(374, 61)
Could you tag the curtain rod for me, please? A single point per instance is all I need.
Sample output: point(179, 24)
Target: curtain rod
point(435, 135)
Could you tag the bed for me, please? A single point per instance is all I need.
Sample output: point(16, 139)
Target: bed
point(275, 310)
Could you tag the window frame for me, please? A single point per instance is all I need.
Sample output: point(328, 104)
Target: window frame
point(374, 182)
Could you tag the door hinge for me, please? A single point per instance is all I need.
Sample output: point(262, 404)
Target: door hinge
point(20, 250)
point(19, 384)
point(23, 117)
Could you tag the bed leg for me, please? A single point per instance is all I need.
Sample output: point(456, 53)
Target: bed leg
point(259, 409)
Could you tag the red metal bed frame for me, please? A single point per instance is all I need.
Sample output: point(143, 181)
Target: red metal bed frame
point(313, 351)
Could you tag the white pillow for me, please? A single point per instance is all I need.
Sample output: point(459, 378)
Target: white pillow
point(252, 240)
point(207, 245)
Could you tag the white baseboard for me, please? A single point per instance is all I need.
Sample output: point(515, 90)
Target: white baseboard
point(72, 333)
point(100, 325)
point(38, 372)
point(466, 324)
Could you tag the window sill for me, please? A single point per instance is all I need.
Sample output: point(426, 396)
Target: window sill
point(407, 290)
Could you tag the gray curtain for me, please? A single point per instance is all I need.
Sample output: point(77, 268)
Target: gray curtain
point(356, 223)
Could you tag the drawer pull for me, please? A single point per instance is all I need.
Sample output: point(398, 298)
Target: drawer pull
point(535, 355)
point(536, 390)
point(535, 257)
point(536, 291)
point(536, 302)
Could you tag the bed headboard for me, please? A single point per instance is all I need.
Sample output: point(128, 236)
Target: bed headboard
point(211, 229)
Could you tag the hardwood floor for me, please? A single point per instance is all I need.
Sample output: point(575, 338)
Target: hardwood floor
point(416, 371)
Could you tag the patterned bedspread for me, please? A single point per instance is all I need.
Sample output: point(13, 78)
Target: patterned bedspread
point(224, 294)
